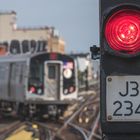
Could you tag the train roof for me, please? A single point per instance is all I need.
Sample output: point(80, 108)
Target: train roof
point(16, 57)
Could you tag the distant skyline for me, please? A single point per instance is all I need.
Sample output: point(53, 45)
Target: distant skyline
point(76, 20)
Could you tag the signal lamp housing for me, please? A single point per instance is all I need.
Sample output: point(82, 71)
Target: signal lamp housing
point(122, 32)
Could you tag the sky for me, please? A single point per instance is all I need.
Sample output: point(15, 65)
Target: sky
point(77, 21)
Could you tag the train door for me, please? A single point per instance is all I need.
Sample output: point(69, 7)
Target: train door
point(52, 80)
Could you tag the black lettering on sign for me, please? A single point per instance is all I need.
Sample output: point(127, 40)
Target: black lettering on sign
point(116, 112)
point(135, 88)
point(126, 93)
point(138, 110)
point(132, 87)
point(129, 108)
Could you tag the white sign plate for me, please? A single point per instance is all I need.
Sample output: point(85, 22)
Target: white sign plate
point(123, 98)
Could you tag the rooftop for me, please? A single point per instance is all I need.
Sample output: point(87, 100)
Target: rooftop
point(7, 12)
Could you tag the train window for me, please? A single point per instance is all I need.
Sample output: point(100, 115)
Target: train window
point(36, 76)
point(16, 72)
point(36, 71)
point(51, 72)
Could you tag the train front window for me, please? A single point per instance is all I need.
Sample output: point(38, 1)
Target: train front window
point(36, 77)
point(36, 71)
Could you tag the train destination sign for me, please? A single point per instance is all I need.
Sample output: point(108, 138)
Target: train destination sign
point(123, 98)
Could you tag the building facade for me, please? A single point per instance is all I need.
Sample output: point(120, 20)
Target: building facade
point(9, 32)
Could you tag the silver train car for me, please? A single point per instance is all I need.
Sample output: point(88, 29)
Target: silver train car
point(33, 84)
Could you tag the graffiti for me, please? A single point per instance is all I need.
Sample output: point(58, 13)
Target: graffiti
point(25, 46)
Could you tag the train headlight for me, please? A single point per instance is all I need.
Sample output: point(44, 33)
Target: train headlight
point(67, 73)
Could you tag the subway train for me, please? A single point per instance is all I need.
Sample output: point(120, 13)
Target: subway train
point(37, 84)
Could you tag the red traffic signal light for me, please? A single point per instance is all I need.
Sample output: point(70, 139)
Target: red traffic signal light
point(122, 31)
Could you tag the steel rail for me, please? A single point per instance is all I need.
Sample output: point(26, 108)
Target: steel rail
point(94, 128)
point(8, 130)
point(79, 129)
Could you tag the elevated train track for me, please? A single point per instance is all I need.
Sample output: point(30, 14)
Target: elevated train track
point(87, 130)
point(68, 127)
